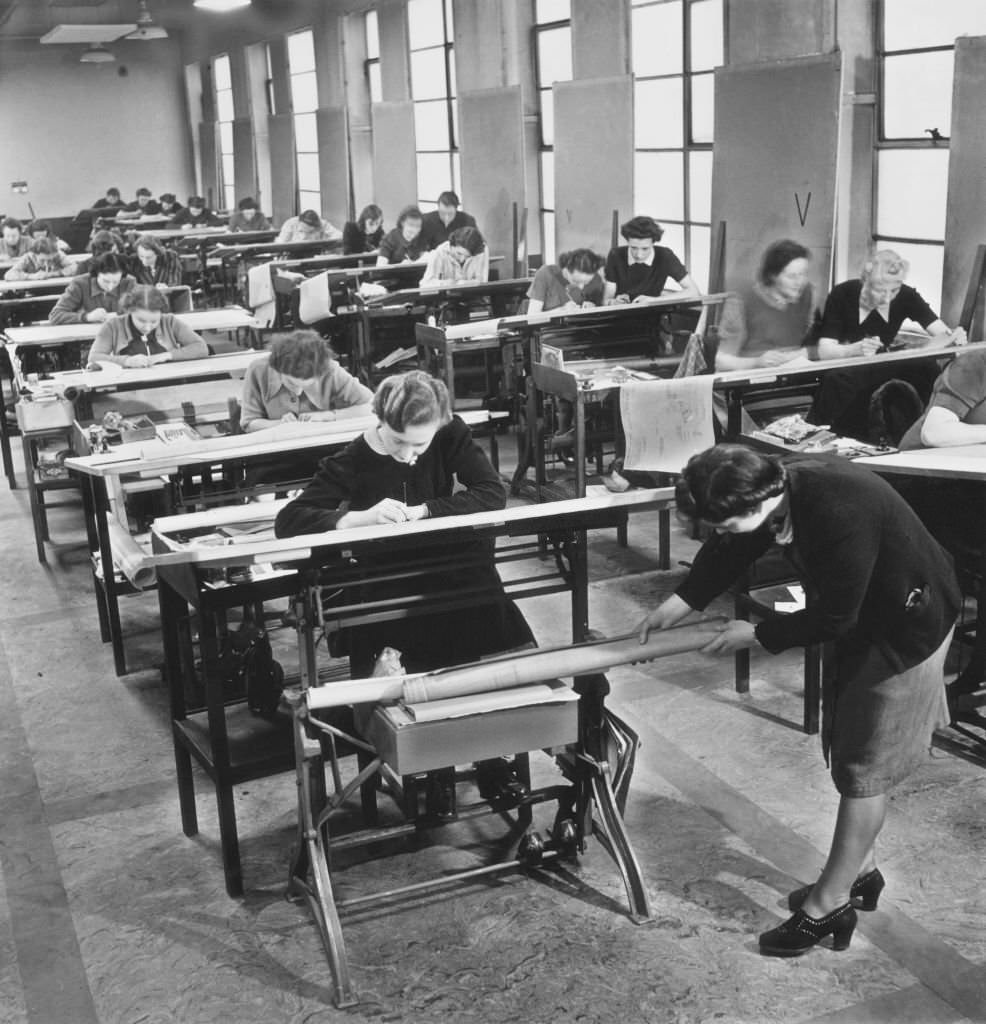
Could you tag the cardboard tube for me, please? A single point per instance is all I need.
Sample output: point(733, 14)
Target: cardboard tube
point(129, 557)
point(517, 669)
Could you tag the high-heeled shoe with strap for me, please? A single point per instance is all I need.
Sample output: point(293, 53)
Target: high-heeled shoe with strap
point(799, 933)
point(864, 894)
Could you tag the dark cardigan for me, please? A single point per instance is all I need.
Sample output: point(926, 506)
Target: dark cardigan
point(863, 550)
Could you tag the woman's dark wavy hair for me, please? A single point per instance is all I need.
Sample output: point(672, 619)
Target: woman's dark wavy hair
point(411, 399)
point(777, 256)
point(583, 261)
point(371, 212)
point(469, 238)
point(303, 354)
point(727, 480)
point(108, 263)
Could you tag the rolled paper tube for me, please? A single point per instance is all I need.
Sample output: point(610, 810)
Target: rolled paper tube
point(129, 557)
point(520, 669)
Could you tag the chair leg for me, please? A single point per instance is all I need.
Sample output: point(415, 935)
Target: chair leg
point(814, 666)
point(186, 790)
point(229, 840)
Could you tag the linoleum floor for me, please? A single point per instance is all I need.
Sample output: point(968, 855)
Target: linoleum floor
point(109, 914)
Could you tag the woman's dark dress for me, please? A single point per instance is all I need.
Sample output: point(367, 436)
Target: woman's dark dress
point(357, 479)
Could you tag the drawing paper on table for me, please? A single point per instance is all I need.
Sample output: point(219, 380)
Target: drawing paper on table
point(666, 422)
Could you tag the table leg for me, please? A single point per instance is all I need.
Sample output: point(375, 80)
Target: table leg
point(7, 374)
point(111, 597)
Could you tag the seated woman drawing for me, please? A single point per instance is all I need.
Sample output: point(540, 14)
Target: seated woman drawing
point(862, 319)
point(768, 322)
point(146, 333)
point(417, 461)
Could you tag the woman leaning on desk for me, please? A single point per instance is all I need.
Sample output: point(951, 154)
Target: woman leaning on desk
point(300, 381)
point(145, 333)
point(96, 296)
point(881, 590)
point(365, 233)
point(768, 322)
point(574, 282)
point(418, 462)
point(43, 260)
point(464, 258)
point(862, 319)
point(154, 265)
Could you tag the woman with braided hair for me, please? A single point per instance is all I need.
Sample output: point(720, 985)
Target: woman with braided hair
point(880, 589)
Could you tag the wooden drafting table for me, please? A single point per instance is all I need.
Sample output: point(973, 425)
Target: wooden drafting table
point(211, 579)
point(962, 462)
point(103, 476)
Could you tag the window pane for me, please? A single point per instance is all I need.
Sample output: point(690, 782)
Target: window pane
point(552, 10)
point(700, 185)
point(657, 115)
point(926, 268)
point(225, 137)
point(706, 35)
point(308, 180)
point(548, 181)
point(304, 92)
point(301, 52)
point(554, 56)
point(229, 177)
point(431, 125)
point(221, 73)
point(224, 106)
point(454, 107)
point(229, 196)
point(698, 259)
point(452, 90)
point(425, 24)
point(547, 117)
point(656, 35)
point(309, 200)
point(305, 133)
point(376, 84)
point(449, 22)
point(372, 36)
point(428, 74)
point(917, 94)
point(912, 23)
point(456, 175)
point(548, 237)
point(703, 107)
point(903, 174)
point(433, 176)
point(659, 185)
point(673, 239)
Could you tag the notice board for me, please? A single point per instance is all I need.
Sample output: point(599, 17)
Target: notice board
point(492, 154)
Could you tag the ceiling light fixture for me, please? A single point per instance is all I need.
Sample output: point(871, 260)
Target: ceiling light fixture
point(220, 6)
point(96, 54)
point(147, 28)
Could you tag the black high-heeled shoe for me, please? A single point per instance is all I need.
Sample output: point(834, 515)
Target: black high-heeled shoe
point(864, 894)
point(800, 932)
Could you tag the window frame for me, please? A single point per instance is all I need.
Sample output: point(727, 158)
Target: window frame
point(687, 223)
point(426, 203)
point(307, 203)
point(546, 213)
point(227, 181)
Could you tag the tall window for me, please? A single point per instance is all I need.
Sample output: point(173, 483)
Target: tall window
point(917, 49)
point(304, 103)
point(553, 63)
point(223, 81)
point(675, 46)
point(429, 24)
point(373, 56)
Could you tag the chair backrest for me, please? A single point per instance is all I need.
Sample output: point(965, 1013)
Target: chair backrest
point(894, 408)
